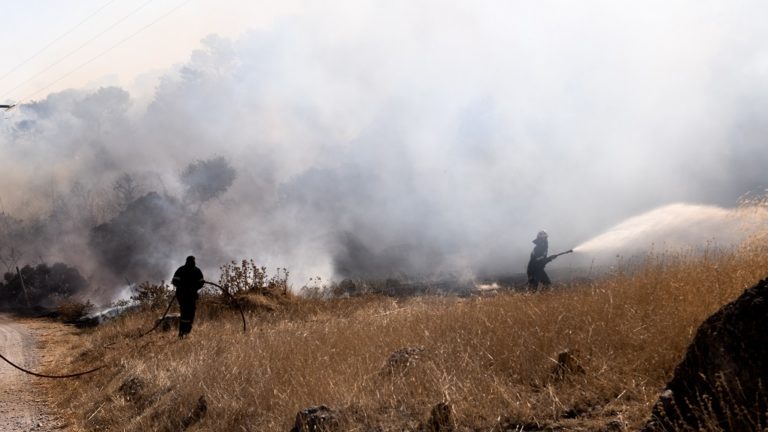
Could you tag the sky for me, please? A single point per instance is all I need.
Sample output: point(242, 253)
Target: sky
point(392, 138)
point(51, 40)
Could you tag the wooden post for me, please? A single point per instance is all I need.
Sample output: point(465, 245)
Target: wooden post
point(23, 288)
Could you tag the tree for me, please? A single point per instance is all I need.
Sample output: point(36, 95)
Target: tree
point(127, 189)
point(207, 179)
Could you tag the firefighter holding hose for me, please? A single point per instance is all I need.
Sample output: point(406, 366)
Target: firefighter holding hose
point(536, 273)
point(188, 279)
point(539, 260)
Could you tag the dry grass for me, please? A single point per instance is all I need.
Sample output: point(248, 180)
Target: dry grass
point(490, 357)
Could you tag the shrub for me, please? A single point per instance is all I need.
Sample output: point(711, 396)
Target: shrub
point(250, 278)
point(69, 311)
point(152, 296)
point(41, 285)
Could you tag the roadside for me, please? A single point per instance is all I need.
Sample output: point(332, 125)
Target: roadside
point(23, 399)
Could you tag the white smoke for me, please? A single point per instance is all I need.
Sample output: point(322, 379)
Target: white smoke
point(424, 137)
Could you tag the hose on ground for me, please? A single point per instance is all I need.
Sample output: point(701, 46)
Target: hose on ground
point(157, 324)
point(73, 375)
point(160, 321)
point(233, 299)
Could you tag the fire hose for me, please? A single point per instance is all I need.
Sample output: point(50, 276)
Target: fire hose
point(160, 321)
point(223, 290)
point(232, 299)
point(50, 376)
point(157, 324)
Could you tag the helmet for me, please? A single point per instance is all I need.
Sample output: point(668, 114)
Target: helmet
point(542, 235)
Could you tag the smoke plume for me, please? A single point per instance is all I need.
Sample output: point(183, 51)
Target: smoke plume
point(420, 138)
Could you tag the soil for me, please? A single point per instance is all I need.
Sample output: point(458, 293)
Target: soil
point(23, 398)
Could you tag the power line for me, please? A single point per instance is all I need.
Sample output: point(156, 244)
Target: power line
point(177, 7)
point(60, 37)
point(113, 25)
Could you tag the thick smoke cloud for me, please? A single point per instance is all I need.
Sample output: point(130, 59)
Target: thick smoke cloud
point(417, 138)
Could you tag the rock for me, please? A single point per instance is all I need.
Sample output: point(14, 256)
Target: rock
point(567, 365)
point(197, 413)
point(168, 323)
point(316, 419)
point(400, 360)
point(510, 424)
point(441, 419)
point(132, 389)
point(615, 425)
point(721, 382)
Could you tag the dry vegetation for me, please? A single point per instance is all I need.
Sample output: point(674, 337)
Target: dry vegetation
point(491, 358)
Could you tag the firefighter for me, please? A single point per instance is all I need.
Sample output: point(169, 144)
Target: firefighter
point(188, 279)
point(536, 273)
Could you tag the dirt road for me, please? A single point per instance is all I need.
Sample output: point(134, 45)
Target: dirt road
point(22, 398)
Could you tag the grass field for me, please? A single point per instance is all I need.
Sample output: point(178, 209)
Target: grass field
point(491, 358)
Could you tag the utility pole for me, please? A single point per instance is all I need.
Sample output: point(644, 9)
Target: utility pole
point(23, 287)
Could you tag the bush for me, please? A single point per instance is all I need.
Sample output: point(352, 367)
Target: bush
point(250, 278)
point(152, 296)
point(70, 311)
point(43, 285)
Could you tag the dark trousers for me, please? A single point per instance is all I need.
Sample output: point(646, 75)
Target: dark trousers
point(538, 276)
point(187, 306)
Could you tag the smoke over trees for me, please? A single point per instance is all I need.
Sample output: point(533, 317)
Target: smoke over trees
point(127, 189)
point(42, 285)
point(117, 235)
point(205, 180)
point(435, 148)
point(138, 243)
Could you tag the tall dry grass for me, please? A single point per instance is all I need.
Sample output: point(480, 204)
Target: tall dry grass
point(491, 358)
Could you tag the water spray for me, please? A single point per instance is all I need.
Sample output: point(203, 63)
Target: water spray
point(676, 227)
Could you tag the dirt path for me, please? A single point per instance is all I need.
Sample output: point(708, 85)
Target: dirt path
point(22, 397)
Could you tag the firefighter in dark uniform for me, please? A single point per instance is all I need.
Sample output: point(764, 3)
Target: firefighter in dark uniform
point(188, 279)
point(536, 273)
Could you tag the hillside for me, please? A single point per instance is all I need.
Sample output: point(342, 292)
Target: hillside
point(493, 359)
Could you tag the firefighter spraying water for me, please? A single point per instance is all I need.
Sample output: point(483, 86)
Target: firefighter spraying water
point(539, 260)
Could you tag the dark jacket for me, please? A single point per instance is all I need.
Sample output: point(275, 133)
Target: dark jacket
point(188, 279)
point(538, 256)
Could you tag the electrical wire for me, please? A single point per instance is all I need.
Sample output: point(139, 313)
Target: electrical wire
point(81, 46)
point(60, 37)
point(179, 6)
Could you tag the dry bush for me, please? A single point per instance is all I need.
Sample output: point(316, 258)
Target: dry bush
point(151, 296)
point(249, 277)
point(490, 358)
point(69, 310)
